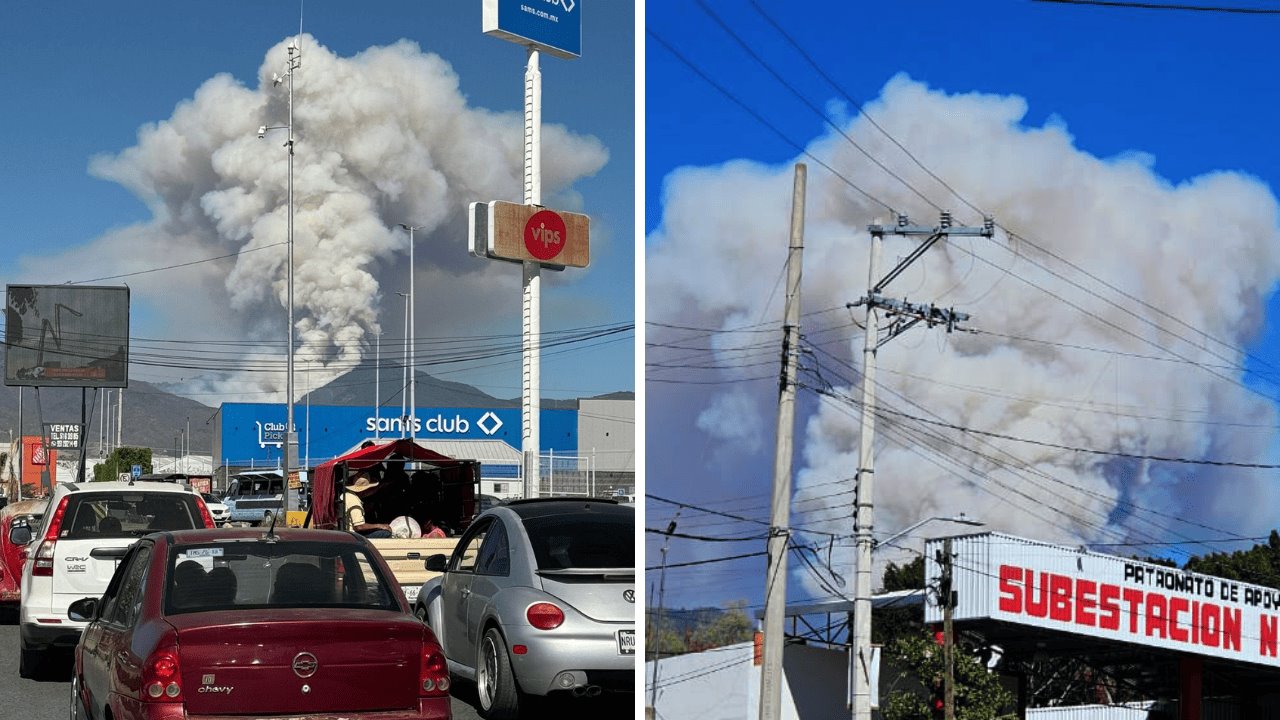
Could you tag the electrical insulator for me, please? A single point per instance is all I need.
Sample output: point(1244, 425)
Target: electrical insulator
point(946, 219)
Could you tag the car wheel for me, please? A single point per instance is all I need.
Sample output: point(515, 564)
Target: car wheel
point(495, 684)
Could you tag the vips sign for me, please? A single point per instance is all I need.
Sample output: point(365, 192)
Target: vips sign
point(519, 233)
point(1001, 577)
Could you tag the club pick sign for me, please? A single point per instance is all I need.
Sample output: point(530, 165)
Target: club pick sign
point(520, 233)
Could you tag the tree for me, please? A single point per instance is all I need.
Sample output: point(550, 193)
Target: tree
point(122, 460)
point(979, 695)
point(729, 627)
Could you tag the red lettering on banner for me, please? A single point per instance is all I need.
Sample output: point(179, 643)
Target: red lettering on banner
point(1036, 607)
point(1177, 605)
point(1267, 641)
point(1088, 603)
point(1231, 629)
point(1157, 616)
point(1010, 591)
point(1134, 600)
point(1210, 624)
point(1060, 598)
point(1085, 590)
point(1107, 596)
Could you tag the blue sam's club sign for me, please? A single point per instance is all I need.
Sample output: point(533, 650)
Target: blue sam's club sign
point(254, 433)
point(553, 26)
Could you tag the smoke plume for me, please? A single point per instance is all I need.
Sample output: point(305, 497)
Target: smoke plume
point(1151, 370)
point(384, 137)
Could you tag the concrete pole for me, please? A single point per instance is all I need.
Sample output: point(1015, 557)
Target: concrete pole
point(119, 418)
point(290, 435)
point(531, 301)
point(22, 448)
point(862, 519)
point(775, 589)
point(377, 388)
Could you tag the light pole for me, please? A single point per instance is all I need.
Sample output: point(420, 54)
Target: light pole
point(290, 433)
point(404, 382)
point(377, 387)
point(960, 519)
point(413, 331)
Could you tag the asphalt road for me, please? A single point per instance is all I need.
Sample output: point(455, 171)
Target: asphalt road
point(49, 700)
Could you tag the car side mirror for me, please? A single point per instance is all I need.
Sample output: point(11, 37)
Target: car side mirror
point(437, 563)
point(83, 610)
point(20, 534)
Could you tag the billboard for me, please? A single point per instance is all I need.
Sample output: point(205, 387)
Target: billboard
point(252, 433)
point(66, 336)
point(1011, 579)
point(551, 26)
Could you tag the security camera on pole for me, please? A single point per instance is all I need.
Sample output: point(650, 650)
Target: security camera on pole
point(530, 234)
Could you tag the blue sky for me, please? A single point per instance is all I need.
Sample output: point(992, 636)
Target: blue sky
point(1136, 144)
point(82, 80)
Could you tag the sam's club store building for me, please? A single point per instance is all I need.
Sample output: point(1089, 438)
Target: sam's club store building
point(587, 449)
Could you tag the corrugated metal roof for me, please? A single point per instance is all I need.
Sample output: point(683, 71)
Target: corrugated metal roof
point(486, 451)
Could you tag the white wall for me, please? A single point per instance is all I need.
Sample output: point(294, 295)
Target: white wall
point(724, 684)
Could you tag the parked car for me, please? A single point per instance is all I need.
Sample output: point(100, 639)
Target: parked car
point(217, 509)
point(86, 530)
point(246, 623)
point(538, 597)
point(24, 512)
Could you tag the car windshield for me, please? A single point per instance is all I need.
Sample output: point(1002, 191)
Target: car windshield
point(128, 514)
point(210, 498)
point(285, 574)
point(582, 540)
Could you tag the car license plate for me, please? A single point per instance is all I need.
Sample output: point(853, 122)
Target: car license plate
point(411, 592)
point(626, 642)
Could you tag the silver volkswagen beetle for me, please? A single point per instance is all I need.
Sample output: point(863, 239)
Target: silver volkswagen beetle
point(538, 597)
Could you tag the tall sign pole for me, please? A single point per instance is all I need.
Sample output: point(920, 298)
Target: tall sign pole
point(775, 598)
point(536, 237)
point(531, 297)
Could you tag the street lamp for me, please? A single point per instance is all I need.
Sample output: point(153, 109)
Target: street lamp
point(412, 333)
point(960, 519)
point(290, 435)
point(404, 382)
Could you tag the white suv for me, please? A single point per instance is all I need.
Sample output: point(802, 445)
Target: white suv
point(86, 530)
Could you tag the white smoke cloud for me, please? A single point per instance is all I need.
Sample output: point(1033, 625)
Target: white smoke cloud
point(384, 137)
point(1205, 252)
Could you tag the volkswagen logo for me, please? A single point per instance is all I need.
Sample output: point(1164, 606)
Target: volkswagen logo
point(629, 596)
point(305, 664)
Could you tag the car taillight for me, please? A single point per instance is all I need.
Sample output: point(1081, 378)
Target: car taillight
point(204, 512)
point(433, 676)
point(161, 677)
point(544, 616)
point(43, 566)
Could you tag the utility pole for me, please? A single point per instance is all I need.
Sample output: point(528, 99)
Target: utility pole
point(775, 586)
point(657, 629)
point(902, 316)
point(948, 636)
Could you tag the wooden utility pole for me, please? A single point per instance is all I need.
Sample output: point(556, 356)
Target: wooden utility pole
point(775, 604)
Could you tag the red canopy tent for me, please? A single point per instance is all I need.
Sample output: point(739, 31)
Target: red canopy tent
point(324, 479)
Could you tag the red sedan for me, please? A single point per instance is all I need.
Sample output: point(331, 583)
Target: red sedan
point(244, 622)
point(11, 554)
